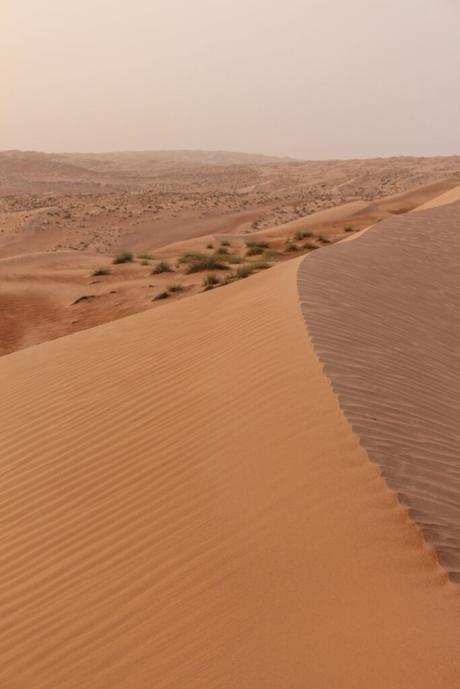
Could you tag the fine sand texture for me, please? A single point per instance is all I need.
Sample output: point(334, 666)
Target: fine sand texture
point(383, 315)
point(185, 506)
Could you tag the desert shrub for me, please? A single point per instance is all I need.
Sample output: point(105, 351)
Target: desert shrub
point(310, 245)
point(244, 271)
point(193, 256)
point(175, 287)
point(208, 263)
point(123, 257)
point(348, 228)
point(146, 257)
point(210, 246)
point(323, 239)
point(211, 280)
point(269, 255)
point(162, 267)
point(292, 247)
point(260, 265)
point(257, 242)
point(255, 251)
point(102, 271)
point(161, 295)
point(233, 259)
point(303, 235)
point(224, 242)
point(222, 251)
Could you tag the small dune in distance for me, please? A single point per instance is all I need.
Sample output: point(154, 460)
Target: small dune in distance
point(66, 221)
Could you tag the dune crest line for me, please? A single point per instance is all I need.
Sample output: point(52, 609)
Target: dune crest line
point(184, 504)
point(382, 312)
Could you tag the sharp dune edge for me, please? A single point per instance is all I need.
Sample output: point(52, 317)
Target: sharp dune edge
point(184, 504)
point(382, 312)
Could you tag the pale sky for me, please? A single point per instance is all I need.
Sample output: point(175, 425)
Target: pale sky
point(304, 78)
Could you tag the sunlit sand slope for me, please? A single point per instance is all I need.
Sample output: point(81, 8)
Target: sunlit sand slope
point(184, 506)
point(383, 314)
point(448, 197)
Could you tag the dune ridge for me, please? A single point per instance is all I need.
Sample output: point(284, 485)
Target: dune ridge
point(382, 314)
point(184, 504)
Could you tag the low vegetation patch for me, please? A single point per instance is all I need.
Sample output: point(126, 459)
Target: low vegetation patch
point(269, 255)
point(161, 295)
point(261, 265)
point(208, 263)
point(257, 242)
point(162, 267)
point(255, 251)
point(244, 271)
point(210, 246)
point(348, 228)
point(211, 280)
point(146, 257)
point(303, 235)
point(224, 242)
point(102, 271)
point(323, 239)
point(233, 259)
point(193, 256)
point(310, 245)
point(175, 287)
point(124, 257)
point(292, 247)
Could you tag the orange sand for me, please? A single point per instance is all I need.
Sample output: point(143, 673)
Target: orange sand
point(184, 506)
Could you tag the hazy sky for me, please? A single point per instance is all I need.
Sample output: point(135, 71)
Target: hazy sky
point(306, 78)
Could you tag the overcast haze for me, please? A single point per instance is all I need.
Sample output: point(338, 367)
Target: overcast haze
point(305, 78)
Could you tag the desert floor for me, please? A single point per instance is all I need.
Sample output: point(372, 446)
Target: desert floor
point(254, 487)
point(64, 218)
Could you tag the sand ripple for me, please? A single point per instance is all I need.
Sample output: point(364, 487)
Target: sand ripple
point(383, 313)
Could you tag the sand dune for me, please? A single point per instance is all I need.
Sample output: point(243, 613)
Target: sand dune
point(362, 213)
point(184, 504)
point(382, 311)
point(38, 291)
point(447, 197)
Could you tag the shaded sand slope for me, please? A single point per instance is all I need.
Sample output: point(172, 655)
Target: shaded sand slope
point(447, 197)
point(383, 314)
point(184, 505)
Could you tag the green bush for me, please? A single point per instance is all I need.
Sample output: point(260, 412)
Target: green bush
point(193, 256)
point(255, 251)
point(123, 257)
point(244, 271)
point(233, 259)
point(303, 235)
point(211, 280)
point(175, 287)
point(257, 242)
point(162, 267)
point(208, 263)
